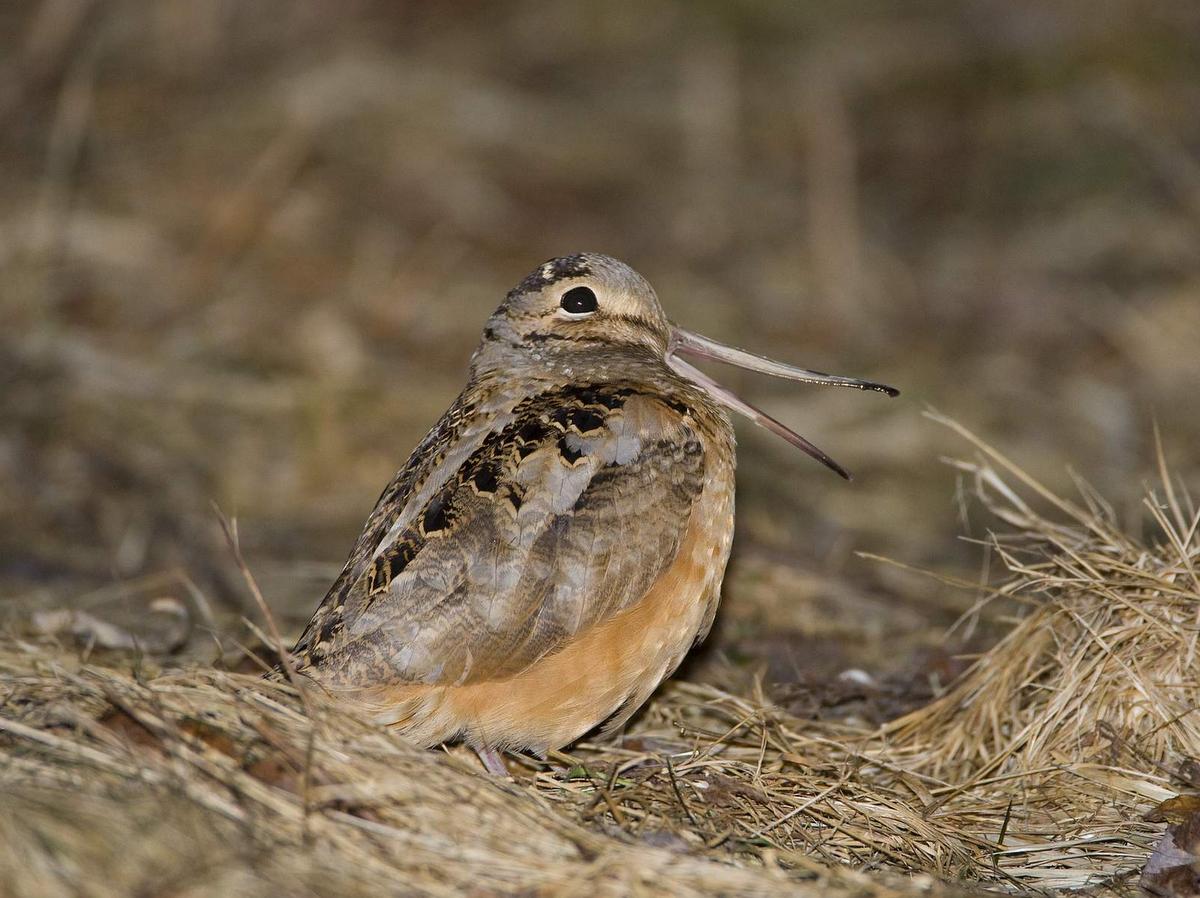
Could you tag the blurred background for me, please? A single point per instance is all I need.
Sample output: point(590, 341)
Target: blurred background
point(247, 248)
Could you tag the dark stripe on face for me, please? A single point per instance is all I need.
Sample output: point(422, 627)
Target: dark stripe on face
point(635, 320)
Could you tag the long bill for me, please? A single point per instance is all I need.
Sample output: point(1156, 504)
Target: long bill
point(687, 343)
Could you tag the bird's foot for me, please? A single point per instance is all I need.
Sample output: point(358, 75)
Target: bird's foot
point(493, 762)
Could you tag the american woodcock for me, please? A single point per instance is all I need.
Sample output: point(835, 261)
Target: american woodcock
point(555, 545)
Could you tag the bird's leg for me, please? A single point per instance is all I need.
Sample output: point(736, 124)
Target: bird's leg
point(493, 762)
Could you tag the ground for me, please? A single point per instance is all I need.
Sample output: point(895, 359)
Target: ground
point(246, 250)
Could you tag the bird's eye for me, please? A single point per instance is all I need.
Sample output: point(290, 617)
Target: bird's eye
point(578, 301)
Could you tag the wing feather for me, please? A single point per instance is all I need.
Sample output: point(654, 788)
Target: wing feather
point(558, 520)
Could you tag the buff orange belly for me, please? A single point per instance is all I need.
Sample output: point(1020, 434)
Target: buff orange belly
point(606, 672)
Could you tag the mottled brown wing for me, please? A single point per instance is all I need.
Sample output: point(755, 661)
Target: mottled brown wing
point(557, 521)
point(430, 452)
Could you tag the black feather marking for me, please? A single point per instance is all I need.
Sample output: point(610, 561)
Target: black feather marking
point(585, 419)
point(569, 454)
point(379, 577)
point(551, 272)
point(486, 478)
point(437, 514)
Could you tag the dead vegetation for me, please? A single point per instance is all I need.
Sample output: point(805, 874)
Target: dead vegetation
point(245, 251)
point(1035, 769)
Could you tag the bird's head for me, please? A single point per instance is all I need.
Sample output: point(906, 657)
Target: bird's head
point(588, 303)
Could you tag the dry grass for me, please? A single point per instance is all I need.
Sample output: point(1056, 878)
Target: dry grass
point(1032, 771)
point(245, 252)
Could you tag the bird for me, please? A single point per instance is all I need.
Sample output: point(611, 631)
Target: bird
point(555, 545)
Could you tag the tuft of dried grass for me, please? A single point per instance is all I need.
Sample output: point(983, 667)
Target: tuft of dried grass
point(1033, 770)
point(204, 782)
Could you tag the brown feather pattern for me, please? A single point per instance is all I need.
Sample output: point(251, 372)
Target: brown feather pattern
point(552, 547)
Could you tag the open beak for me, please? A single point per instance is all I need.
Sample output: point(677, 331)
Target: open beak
point(686, 343)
